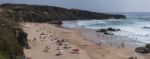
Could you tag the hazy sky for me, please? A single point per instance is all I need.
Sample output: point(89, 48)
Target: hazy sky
point(93, 5)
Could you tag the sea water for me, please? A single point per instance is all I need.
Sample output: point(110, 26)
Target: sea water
point(136, 26)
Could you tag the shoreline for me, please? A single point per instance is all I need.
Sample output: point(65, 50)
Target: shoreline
point(88, 50)
point(115, 41)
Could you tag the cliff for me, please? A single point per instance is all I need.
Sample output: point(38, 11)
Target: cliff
point(11, 44)
point(41, 13)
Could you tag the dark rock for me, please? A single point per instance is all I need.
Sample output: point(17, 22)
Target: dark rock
point(143, 50)
point(108, 29)
point(108, 33)
point(56, 22)
point(102, 30)
point(22, 39)
point(27, 47)
point(112, 29)
point(146, 27)
point(119, 16)
point(132, 58)
point(147, 46)
point(105, 31)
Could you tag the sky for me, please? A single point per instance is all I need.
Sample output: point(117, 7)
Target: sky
point(92, 5)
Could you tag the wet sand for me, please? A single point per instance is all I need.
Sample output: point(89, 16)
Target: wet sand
point(110, 40)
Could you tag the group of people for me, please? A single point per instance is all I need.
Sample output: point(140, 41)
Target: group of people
point(59, 42)
point(65, 44)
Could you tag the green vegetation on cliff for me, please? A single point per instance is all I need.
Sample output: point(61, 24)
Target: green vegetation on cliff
point(41, 13)
point(9, 46)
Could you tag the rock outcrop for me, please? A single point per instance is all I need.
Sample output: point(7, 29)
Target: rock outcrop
point(144, 50)
point(147, 46)
point(108, 31)
point(112, 29)
point(56, 22)
point(22, 39)
point(101, 30)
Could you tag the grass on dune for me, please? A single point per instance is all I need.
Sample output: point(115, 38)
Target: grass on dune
point(8, 44)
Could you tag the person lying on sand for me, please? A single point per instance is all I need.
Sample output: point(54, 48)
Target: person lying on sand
point(75, 51)
point(98, 44)
point(60, 43)
point(34, 39)
point(60, 52)
point(57, 48)
point(40, 37)
point(66, 46)
point(46, 49)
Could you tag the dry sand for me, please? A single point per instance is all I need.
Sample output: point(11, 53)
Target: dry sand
point(87, 50)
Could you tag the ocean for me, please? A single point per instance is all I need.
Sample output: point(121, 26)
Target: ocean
point(136, 26)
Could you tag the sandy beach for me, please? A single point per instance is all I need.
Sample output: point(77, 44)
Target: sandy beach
point(43, 37)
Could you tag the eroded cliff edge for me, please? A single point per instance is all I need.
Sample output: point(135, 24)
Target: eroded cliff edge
point(12, 40)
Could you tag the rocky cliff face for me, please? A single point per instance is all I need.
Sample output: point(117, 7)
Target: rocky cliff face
point(11, 41)
point(38, 13)
point(22, 38)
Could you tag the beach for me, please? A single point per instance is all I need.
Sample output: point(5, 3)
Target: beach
point(43, 37)
point(73, 30)
point(116, 41)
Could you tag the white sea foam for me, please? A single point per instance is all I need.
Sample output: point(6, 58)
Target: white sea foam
point(131, 27)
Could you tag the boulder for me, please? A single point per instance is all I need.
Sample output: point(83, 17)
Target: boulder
point(132, 58)
point(147, 46)
point(105, 31)
point(56, 22)
point(22, 39)
point(119, 16)
point(146, 27)
point(102, 30)
point(108, 33)
point(143, 50)
point(112, 29)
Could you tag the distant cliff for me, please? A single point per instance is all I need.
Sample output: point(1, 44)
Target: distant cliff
point(41, 13)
